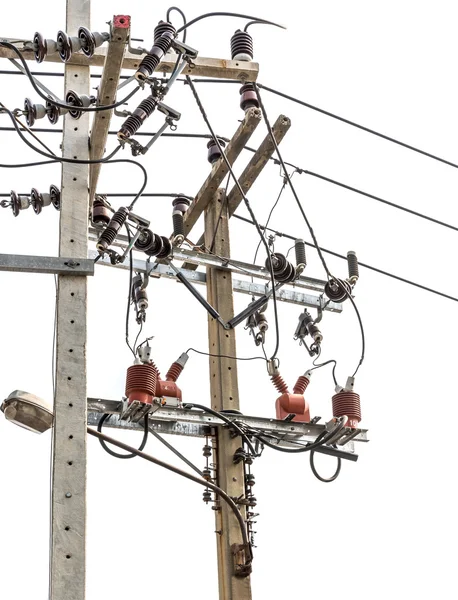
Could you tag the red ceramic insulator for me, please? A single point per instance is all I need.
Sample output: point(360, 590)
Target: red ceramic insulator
point(174, 372)
point(279, 383)
point(347, 403)
point(167, 388)
point(301, 385)
point(141, 383)
point(292, 404)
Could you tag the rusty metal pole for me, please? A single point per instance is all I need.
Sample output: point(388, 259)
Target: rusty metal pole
point(225, 396)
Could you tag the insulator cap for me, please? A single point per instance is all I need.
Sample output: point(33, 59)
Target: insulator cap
point(90, 40)
point(54, 193)
point(43, 47)
point(181, 203)
point(18, 203)
point(284, 271)
point(82, 101)
point(349, 404)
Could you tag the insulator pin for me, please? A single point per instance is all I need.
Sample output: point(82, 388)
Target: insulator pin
point(353, 268)
point(242, 46)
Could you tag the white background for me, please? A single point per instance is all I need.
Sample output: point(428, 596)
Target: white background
point(387, 526)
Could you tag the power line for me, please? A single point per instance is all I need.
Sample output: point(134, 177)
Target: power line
point(357, 125)
point(366, 266)
point(378, 199)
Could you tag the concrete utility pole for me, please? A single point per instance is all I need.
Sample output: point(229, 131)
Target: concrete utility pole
point(225, 396)
point(68, 526)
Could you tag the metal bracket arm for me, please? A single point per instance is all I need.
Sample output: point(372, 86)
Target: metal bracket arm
point(46, 264)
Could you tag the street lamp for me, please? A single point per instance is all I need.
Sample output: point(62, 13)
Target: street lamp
point(28, 411)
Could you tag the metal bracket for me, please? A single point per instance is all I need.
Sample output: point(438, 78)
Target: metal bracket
point(46, 264)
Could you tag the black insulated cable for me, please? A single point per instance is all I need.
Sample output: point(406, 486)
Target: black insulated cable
point(116, 454)
point(357, 125)
point(207, 484)
point(248, 206)
point(62, 104)
point(228, 14)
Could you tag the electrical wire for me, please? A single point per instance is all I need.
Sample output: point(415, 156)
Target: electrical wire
point(181, 13)
point(248, 206)
point(296, 197)
point(361, 264)
point(282, 189)
point(63, 104)
point(229, 422)
point(224, 355)
point(61, 159)
point(318, 476)
point(129, 295)
point(228, 14)
point(377, 198)
point(321, 440)
point(353, 124)
point(363, 338)
point(207, 484)
point(112, 452)
point(328, 362)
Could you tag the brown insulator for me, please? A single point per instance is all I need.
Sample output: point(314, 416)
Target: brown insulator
point(301, 385)
point(174, 372)
point(347, 403)
point(101, 214)
point(206, 496)
point(207, 450)
point(141, 383)
point(248, 97)
point(288, 404)
point(279, 383)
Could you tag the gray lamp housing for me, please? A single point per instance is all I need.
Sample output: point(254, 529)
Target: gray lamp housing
point(28, 411)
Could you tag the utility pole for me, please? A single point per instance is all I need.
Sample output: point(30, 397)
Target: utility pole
point(68, 525)
point(225, 396)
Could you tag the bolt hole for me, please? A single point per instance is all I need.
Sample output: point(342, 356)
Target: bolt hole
point(231, 398)
point(111, 79)
point(75, 129)
point(70, 437)
point(72, 241)
point(67, 528)
point(72, 294)
point(74, 178)
point(76, 74)
point(69, 379)
point(68, 556)
point(70, 404)
point(75, 157)
point(72, 321)
point(122, 21)
point(229, 368)
point(70, 462)
point(119, 39)
point(71, 350)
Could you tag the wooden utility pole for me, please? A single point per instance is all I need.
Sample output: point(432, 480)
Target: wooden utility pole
point(68, 526)
point(225, 396)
